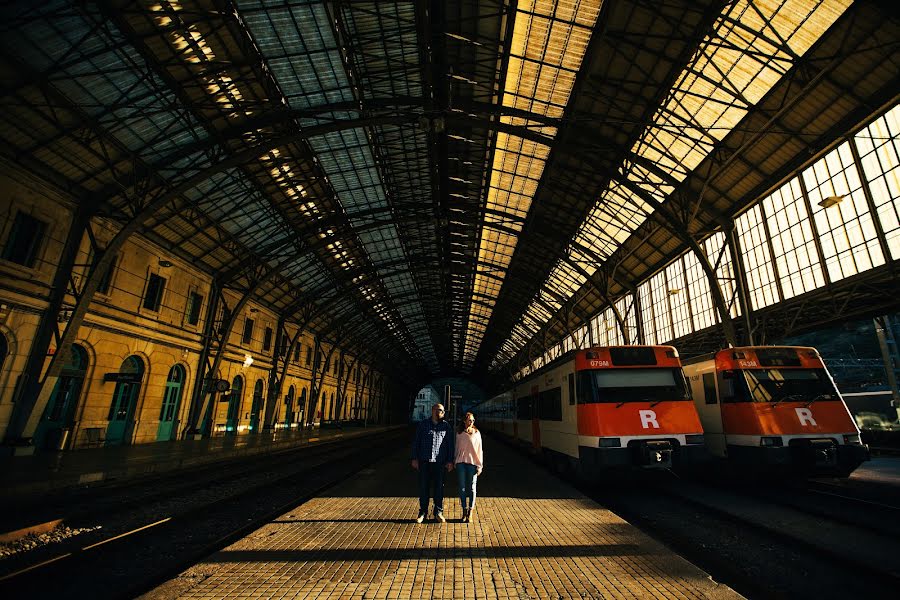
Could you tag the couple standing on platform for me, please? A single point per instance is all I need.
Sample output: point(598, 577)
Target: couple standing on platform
point(433, 451)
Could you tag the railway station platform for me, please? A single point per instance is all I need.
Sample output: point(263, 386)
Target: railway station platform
point(533, 536)
point(24, 476)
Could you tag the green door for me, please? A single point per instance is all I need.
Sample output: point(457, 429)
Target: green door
point(257, 406)
point(234, 406)
point(59, 414)
point(289, 408)
point(121, 411)
point(171, 402)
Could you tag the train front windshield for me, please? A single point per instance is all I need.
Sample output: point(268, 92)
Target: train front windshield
point(783, 385)
point(637, 385)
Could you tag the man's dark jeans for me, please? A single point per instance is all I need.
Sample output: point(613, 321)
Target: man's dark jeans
point(431, 476)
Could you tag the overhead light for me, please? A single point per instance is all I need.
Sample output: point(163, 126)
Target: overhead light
point(831, 201)
point(165, 263)
point(248, 360)
point(254, 310)
point(673, 292)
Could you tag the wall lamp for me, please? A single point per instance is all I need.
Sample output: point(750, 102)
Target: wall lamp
point(165, 263)
point(831, 201)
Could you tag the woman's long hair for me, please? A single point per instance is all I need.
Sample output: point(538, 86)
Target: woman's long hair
point(462, 424)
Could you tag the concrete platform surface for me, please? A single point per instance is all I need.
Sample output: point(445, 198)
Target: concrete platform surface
point(533, 536)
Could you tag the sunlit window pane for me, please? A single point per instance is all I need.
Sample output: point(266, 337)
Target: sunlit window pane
point(647, 321)
point(846, 231)
point(796, 257)
point(879, 150)
point(757, 259)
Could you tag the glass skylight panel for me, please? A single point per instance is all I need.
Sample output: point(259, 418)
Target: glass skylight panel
point(548, 44)
point(755, 42)
point(300, 48)
point(97, 75)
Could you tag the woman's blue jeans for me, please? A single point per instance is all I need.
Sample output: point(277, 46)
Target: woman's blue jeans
point(466, 477)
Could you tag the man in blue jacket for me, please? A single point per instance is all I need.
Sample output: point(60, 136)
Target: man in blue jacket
point(432, 453)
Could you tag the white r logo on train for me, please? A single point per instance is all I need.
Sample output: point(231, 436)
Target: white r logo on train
point(648, 417)
point(805, 416)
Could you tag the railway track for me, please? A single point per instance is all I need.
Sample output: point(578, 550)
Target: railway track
point(758, 543)
point(134, 554)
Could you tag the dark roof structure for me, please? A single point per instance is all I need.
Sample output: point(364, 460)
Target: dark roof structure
point(443, 184)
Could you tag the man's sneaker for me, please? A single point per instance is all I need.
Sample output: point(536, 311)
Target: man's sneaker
point(420, 518)
point(440, 517)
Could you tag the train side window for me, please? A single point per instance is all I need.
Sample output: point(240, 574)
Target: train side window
point(585, 387)
point(709, 388)
point(571, 389)
point(523, 408)
point(550, 405)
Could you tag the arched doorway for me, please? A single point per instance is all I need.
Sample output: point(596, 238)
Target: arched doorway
point(234, 406)
point(301, 406)
point(331, 407)
point(124, 401)
point(171, 402)
point(256, 407)
point(59, 414)
point(289, 407)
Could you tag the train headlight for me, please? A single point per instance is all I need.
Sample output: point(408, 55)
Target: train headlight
point(696, 438)
point(852, 439)
point(610, 442)
point(770, 442)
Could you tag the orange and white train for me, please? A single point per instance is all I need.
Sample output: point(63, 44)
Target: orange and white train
point(774, 406)
point(603, 407)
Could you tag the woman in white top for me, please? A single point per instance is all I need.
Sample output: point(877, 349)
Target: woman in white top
point(469, 463)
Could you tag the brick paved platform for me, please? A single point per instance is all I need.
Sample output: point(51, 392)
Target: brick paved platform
point(533, 537)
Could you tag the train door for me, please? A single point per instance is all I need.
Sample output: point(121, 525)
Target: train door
point(709, 408)
point(170, 403)
point(124, 402)
point(535, 419)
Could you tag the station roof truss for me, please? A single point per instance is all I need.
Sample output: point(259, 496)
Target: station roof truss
point(442, 182)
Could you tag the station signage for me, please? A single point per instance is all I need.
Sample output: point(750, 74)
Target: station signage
point(122, 377)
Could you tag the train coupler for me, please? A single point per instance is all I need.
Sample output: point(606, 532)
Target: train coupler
point(655, 453)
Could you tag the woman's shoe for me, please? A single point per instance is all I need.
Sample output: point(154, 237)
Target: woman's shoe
point(469, 514)
point(465, 518)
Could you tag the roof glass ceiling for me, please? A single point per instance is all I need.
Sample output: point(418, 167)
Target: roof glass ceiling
point(548, 45)
point(298, 44)
point(96, 72)
point(753, 45)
